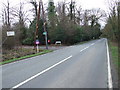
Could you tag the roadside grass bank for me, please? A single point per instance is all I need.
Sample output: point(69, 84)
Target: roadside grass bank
point(19, 54)
point(115, 64)
point(114, 51)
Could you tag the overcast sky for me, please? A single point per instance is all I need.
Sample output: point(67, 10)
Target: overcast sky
point(85, 4)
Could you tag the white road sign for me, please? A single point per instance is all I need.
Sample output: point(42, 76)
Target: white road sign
point(10, 33)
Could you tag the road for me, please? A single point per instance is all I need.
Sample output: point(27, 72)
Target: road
point(78, 66)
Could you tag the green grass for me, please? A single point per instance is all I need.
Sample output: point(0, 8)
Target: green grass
point(24, 57)
point(114, 52)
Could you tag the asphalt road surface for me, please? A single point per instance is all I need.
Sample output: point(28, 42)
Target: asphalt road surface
point(78, 66)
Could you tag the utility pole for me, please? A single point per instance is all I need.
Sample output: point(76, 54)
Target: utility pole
point(43, 13)
point(36, 33)
point(41, 8)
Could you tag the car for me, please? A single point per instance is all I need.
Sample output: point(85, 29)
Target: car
point(58, 43)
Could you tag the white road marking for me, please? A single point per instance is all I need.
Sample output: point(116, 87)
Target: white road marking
point(110, 86)
point(92, 44)
point(71, 46)
point(29, 79)
point(84, 48)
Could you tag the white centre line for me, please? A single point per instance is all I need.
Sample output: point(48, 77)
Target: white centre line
point(85, 48)
point(90, 45)
point(29, 79)
point(110, 86)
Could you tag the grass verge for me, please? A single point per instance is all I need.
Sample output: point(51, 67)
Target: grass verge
point(115, 60)
point(24, 57)
point(114, 51)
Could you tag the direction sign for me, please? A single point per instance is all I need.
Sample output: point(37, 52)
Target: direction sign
point(44, 33)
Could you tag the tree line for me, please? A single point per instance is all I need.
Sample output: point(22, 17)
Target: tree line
point(112, 27)
point(65, 22)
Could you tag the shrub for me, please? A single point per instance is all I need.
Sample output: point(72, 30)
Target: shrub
point(28, 41)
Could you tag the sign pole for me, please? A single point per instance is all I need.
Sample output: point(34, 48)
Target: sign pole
point(46, 41)
point(37, 49)
point(45, 32)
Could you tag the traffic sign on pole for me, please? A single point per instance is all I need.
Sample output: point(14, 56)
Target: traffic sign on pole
point(44, 33)
point(37, 42)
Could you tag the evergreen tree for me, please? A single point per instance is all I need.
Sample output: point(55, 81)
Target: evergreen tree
point(52, 20)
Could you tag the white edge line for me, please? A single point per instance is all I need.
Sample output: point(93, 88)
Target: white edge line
point(110, 86)
point(27, 80)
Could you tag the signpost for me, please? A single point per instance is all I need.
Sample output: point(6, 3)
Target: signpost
point(9, 39)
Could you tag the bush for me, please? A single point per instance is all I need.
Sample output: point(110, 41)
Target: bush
point(28, 41)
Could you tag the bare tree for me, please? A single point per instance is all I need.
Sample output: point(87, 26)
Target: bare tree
point(21, 16)
point(111, 29)
point(96, 15)
point(79, 15)
point(35, 5)
point(61, 11)
point(7, 42)
point(6, 14)
point(86, 17)
point(113, 17)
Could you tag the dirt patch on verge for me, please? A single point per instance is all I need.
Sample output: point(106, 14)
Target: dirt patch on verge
point(17, 53)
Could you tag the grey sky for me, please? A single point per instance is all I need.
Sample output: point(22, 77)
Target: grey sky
point(85, 4)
